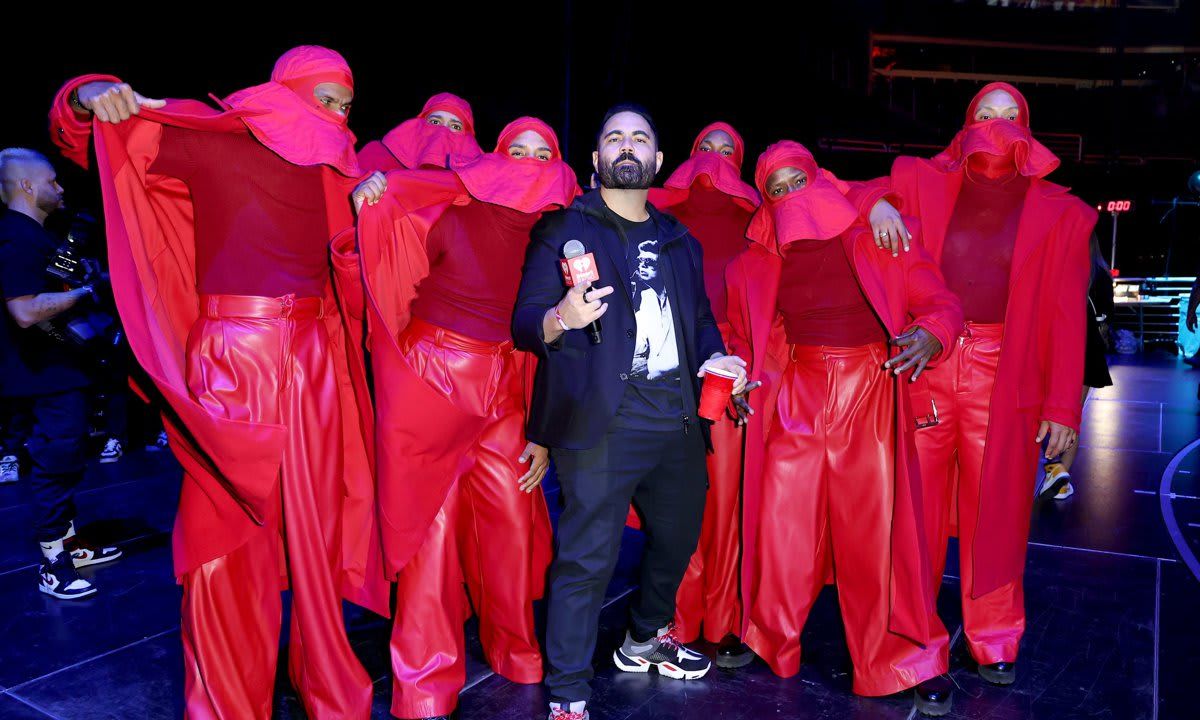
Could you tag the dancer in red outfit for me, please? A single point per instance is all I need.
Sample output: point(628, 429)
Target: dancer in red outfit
point(813, 303)
point(1014, 247)
point(458, 500)
point(235, 321)
point(708, 195)
point(442, 134)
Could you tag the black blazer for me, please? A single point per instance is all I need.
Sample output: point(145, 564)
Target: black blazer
point(579, 385)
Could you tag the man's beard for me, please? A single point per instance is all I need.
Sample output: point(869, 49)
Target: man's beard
point(50, 203)
point(635, 176)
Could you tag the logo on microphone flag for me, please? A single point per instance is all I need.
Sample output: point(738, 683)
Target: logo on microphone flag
point(579, 270)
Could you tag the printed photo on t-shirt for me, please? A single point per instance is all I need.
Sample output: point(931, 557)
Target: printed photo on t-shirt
point(655, 355)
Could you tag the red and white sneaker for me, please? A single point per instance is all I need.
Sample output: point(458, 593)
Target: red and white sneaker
point(558, 712)
point(84, 556)
point(665, 653)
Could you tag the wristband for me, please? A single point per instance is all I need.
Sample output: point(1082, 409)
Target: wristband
point(561, 323)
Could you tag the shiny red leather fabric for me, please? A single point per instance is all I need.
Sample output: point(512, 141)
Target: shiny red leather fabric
point(828, 482)
point(487, 533)
point(268, 360)
point(904, 292)
point(248, 461)
point(708, 195)
point(392, 243)
point(1041, 361)
point(952, 465)
point(709, 599)
point(231, 466)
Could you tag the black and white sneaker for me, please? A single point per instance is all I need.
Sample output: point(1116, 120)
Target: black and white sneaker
point(83, 555)
point(59, 579)
point(665, 653)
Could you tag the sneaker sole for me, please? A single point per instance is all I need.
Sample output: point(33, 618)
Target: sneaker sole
point(665, 669)
point(1050, 490)
point(928, 709)
point(61, 596)
point(1002, 679)
point(90, 563)
point(737, 661)
point(109, 460)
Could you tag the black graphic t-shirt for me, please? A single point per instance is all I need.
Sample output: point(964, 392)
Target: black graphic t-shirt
point(653, 397)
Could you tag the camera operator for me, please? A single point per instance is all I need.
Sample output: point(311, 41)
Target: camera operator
point(42, 370)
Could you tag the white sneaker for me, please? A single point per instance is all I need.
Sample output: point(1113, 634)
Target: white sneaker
point(112, 451)
point(1065, 492)
point(10, 469)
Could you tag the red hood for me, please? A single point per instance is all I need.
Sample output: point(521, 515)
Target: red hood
point(818, 211)
point(713, 170)
point(524, 184)
point(415, 143)
point(285, 116)
point(999, 137)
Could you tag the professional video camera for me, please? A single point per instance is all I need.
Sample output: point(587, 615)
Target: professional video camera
point(91, 326)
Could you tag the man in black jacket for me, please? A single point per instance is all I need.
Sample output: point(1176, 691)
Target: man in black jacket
point(45, 376)
point(620, 416)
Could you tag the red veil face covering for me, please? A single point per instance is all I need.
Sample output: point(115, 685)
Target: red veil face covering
point(818, 211)
point(991, 146)
point(525, 184)
point(714, 170)
point(285, 116)
point(416, 143)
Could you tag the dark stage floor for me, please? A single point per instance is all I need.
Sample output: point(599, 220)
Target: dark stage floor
point(1113, 603)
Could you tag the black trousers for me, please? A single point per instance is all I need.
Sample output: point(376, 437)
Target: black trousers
point(57, 446)
point(665, 475)
point(15, 425)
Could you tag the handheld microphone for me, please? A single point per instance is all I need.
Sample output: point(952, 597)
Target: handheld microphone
point(579, 268)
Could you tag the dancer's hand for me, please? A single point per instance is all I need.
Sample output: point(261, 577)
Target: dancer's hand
point(919, 347)
point(888, 228)
point(730, 364)
point(113, 102)
point(370, 191)
point(538, 458)
point(1061, 438)
point(739, 410)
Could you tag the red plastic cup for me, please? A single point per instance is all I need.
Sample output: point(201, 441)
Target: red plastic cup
point(715, 393)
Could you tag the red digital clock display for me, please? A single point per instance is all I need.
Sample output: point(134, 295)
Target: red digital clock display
point(1119, 206)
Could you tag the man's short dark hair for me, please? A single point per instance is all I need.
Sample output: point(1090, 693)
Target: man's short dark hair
point(634, 108)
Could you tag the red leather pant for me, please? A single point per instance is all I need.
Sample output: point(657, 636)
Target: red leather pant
point(484, 535)
point(828, 482)
point(267, 360)
point(709, 596)
point(951, 455)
